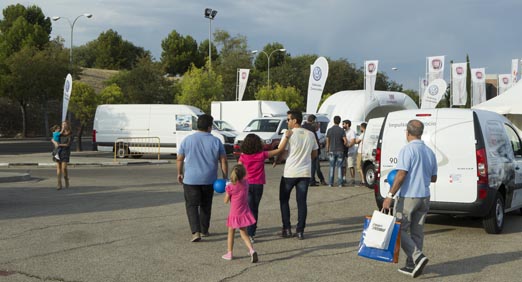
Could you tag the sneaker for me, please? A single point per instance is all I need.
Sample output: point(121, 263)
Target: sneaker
point(420, 263)
point(314, 184)
point(330, 186)
point(251, 238)
point(253, 256)
point(286, 233)
point(227, 256)
point(323, 183)
point(408, 270)
point(300, 236)
point(205, 234)
point(196, 237)
point(340, 186)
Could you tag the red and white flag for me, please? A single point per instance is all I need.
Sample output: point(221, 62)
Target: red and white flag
point(67, 88)
point(478, 86)
point(504, 82)
point(435, 68)
point(458, 83)
point(243, 79)
point(514, 71)
point(370, 76)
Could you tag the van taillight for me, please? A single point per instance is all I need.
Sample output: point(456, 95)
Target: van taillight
point(482, 166)
point(423, 115)
point(378, 160)
point(93, 136)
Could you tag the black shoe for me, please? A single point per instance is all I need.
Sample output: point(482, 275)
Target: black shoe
point(287, 233)
point(323, 183)
point(420, 263)
point(205, 234)
point(300, 235)
point(408, 270)
point(314, 184)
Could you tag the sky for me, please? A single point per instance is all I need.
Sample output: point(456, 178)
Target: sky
point(398, 33)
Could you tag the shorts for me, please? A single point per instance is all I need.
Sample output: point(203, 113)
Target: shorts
point(359, 162)
point(350, 161)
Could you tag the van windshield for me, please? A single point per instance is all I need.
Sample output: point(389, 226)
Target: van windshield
point(263, 125)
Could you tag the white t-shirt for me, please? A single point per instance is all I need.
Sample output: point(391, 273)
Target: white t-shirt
point(350, 134)
point(300, 146)
point(359, 148)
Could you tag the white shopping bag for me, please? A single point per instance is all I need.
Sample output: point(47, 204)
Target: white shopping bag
point(379, 230)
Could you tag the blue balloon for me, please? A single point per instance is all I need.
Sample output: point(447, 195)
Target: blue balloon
point(219, 185)
point(391, 177)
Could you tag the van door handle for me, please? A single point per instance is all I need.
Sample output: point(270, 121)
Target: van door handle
point(517, 168)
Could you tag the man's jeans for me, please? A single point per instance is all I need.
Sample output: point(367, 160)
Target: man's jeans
point(316, 167)
point(336, 160)
point(255, 192)
point(198, 203)
point(411, 212)
point(285, 189)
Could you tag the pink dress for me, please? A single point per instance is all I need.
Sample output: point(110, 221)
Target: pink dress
point(240, 214)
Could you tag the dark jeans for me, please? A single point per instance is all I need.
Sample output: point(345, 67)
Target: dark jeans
point(255, 192)
point(301, 192)
point(198, 203)
point(316, 167)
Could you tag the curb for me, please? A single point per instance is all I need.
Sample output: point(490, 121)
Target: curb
point(112, 163)
point(15, 177)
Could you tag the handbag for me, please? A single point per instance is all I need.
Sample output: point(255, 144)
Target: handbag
point(379, 230)
point(390, 254)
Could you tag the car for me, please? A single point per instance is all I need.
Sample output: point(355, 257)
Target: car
point(269, 129)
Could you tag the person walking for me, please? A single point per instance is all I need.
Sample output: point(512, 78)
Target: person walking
point(301, 150)
point(311, 125)
point(351, 152)
point(253, 158)
point(416, 169)
point(335, 144)
point(240, 215)
point(358, 141)
point(64, 155)
point(197, 164)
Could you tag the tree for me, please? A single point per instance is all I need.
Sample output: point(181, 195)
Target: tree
point(179, 53)
point(203, 53)
point(83, 105)
point(144, 84)
point(111, 94)
point(277, 58)
point(199, 88)
point(288, 94)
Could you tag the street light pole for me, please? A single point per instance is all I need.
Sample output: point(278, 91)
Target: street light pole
point(87, 15)
point(268, 58)
point(210, 15)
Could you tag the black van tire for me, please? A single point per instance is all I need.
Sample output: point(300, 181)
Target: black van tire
point(122, 150)
point(369, 175)
point(494, 221)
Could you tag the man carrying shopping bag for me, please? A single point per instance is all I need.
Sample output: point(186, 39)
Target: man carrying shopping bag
point(417, 168)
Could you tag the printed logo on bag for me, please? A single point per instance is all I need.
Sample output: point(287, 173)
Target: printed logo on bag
point(378, 227)
point(459, 70)
point(433, 90)
point(371, 67)
point(317, 73)
point(436, 64)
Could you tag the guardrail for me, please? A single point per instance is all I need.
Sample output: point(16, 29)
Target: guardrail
point(136, 147)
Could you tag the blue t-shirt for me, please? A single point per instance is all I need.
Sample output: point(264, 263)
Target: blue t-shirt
point(419, 161)
point(202, 152)
point(56, 136)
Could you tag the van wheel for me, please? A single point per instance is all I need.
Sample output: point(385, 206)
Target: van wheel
point(494, 221)
point(122, 150)
point(369, 175)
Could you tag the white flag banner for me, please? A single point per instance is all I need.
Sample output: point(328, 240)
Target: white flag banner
point(423, 83)
point(67, 88)
point(370, 76)
point(514, 71)
point(458, 83)
point(316, 82)
point(435, 68)
point(478, 86)
point(504, 82)
point(433, 94)
point(243, 79)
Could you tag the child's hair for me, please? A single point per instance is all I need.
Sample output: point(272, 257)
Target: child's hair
point(238, 173)
point(252, 144)
point(55, 127)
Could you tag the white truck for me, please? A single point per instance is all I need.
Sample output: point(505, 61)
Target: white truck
point(479, 157)
point(171, 123)
point(369, 146)
point(240, 113)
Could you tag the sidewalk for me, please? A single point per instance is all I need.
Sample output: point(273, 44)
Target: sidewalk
point(86, 158)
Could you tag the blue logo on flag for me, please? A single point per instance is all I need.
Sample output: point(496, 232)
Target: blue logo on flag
point(67, 85)
point(317, 73)
point(433, 90)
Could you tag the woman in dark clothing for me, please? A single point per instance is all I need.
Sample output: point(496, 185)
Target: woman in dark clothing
point(65, 154)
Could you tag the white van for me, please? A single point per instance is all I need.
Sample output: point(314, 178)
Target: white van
point(369, 149)
point(171, 123)
point(479, 156)
point(269, 129)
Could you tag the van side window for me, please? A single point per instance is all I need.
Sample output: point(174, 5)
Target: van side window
point(514, 139)
point(194, 123)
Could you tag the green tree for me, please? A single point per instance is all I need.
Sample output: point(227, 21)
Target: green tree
point(203, 53)
point(277, 58)
point(199, 88)
point(179, 52)
point(288, 94)
point(144, 84)
point(111, 94)
point(83, 105)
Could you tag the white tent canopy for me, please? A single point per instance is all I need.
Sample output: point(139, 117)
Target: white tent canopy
point(352, 105)
point(508, 103)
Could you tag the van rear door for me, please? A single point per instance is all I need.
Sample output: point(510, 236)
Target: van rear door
point(455, 149)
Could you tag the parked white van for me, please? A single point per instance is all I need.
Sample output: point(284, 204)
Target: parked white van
point(171, 123)
point(479, 155)
point(369, 149)
point(269, 129)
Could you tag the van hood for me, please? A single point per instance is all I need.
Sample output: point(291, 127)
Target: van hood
point(263, 135)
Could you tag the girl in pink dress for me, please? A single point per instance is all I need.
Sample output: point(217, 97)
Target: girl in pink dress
point(240, 215)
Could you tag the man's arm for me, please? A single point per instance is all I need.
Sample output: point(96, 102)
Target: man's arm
point(179, 164)
point(397, 183)
point(224, 166)
point(433, 178)
point(314, 154)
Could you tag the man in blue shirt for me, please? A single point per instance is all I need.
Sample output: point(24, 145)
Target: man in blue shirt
point(197, 164)
point(416, 169)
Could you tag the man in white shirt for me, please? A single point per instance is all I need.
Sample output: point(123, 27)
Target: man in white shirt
point(358, 140)
point(351, 154)
point(301, 149)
